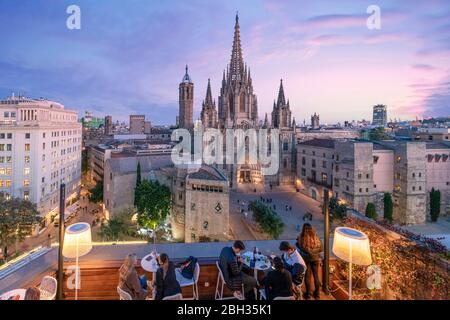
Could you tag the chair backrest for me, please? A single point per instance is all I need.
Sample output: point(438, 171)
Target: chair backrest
point(48, 288)
point(123, 294)
point(284, 298)
point(219, 270)
point(177, 296)
point(196, 272)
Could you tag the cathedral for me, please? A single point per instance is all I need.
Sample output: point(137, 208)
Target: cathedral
point(238, 109)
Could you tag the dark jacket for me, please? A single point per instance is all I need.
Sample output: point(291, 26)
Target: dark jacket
point(231, 269)
point(310, 255)
point(278, 284)
point(167, 286)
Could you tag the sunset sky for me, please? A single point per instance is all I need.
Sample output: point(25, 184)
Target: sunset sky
point(129, 56)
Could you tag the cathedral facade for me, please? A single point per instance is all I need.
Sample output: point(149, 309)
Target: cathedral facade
point(238, 109)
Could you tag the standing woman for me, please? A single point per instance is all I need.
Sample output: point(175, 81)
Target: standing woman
point(310, 246)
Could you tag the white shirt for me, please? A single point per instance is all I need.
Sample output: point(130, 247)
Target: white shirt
point(294, 258)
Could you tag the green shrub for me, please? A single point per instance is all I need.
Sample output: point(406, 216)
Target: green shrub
point(267, 218)
point(371, 212)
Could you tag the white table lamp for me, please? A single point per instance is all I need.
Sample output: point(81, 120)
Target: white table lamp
point(352, 246)
point(77, 243)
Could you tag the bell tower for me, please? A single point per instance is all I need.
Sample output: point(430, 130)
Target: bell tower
point(186, 102)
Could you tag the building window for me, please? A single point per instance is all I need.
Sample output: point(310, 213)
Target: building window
point(348, 174)
point(27, 159)
point(180, 196)
point(413, 175)
point(8, 159)
point(324, 164)
point(8, 183)
point(367, 189)
point(26, 183)
point(398, 159)
point(420, 188)
point(313, 163)
point(359, 175)
point(205, 225)
point(346, 188)
point(9, 147)
point(6, 114)
point(27, 136)
point(285, 146)
point(324, 177)
point(26, 171)
point(2, 147)
point(26, 195)
point(360, 190)
point(9, 135)
point(303, 161)
point(367, 176)
point(303, 172)
point(2, 136)
point(413, 188)
point(27, 147)
point(43, 146)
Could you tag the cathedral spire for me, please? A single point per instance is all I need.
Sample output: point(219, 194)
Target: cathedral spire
point(208, 100)
point(237, 62)
point(281, 99)
point(187, 78)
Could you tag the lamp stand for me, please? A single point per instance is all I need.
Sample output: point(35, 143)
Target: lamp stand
point(350, 273)
point(76, 273)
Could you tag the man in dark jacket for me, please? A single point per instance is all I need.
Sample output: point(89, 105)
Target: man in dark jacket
point(232, 268)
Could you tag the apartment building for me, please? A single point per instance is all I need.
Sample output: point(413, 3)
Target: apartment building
point(359, 172)
point(40, 148)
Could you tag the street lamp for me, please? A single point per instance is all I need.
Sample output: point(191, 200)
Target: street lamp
point(352, 246)
point(77, 243)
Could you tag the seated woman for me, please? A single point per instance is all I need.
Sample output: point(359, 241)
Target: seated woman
point(166, 281)
point(32, 293)
point(129, 280)
point(278, 282)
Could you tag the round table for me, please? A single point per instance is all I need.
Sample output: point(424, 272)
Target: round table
point(262, 263)
point(20, 293)
point(149, 263)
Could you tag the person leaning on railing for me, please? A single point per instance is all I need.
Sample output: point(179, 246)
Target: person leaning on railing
point(310, 246)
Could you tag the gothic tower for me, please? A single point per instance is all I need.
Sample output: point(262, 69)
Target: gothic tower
point(186, 102)
point(315, 121)
point(238, 106)
point(208, 115)
point(281, 114)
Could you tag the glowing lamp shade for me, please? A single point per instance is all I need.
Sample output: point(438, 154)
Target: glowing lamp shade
point(352, 246)
point(77, 240)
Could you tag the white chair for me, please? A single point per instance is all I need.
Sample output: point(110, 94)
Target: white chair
point(48, 288)
point(177, 296)
point(123, 295)
point(284, 298)
point(184, 282)
point(221, 283)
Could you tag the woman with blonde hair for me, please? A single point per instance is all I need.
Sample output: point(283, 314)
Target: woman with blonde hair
point(310, 246)
point(33, 293)
point(129, 280)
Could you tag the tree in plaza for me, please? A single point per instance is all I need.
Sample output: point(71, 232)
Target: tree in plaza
point(153, 203)
point(84, 162)
point(96, 193)
point(118, 227)
point(267, 218)
point(435, 204)
point(138, 181)
point(388, 207)
point(18, 218)
point(371, 211)
point(378, 134)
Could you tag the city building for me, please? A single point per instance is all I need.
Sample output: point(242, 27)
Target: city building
point(379, 115)
point(315, 121)
point(108, 125)
point(137, 124)
point(359, 172)
point(40, 148)
point(432, 134)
